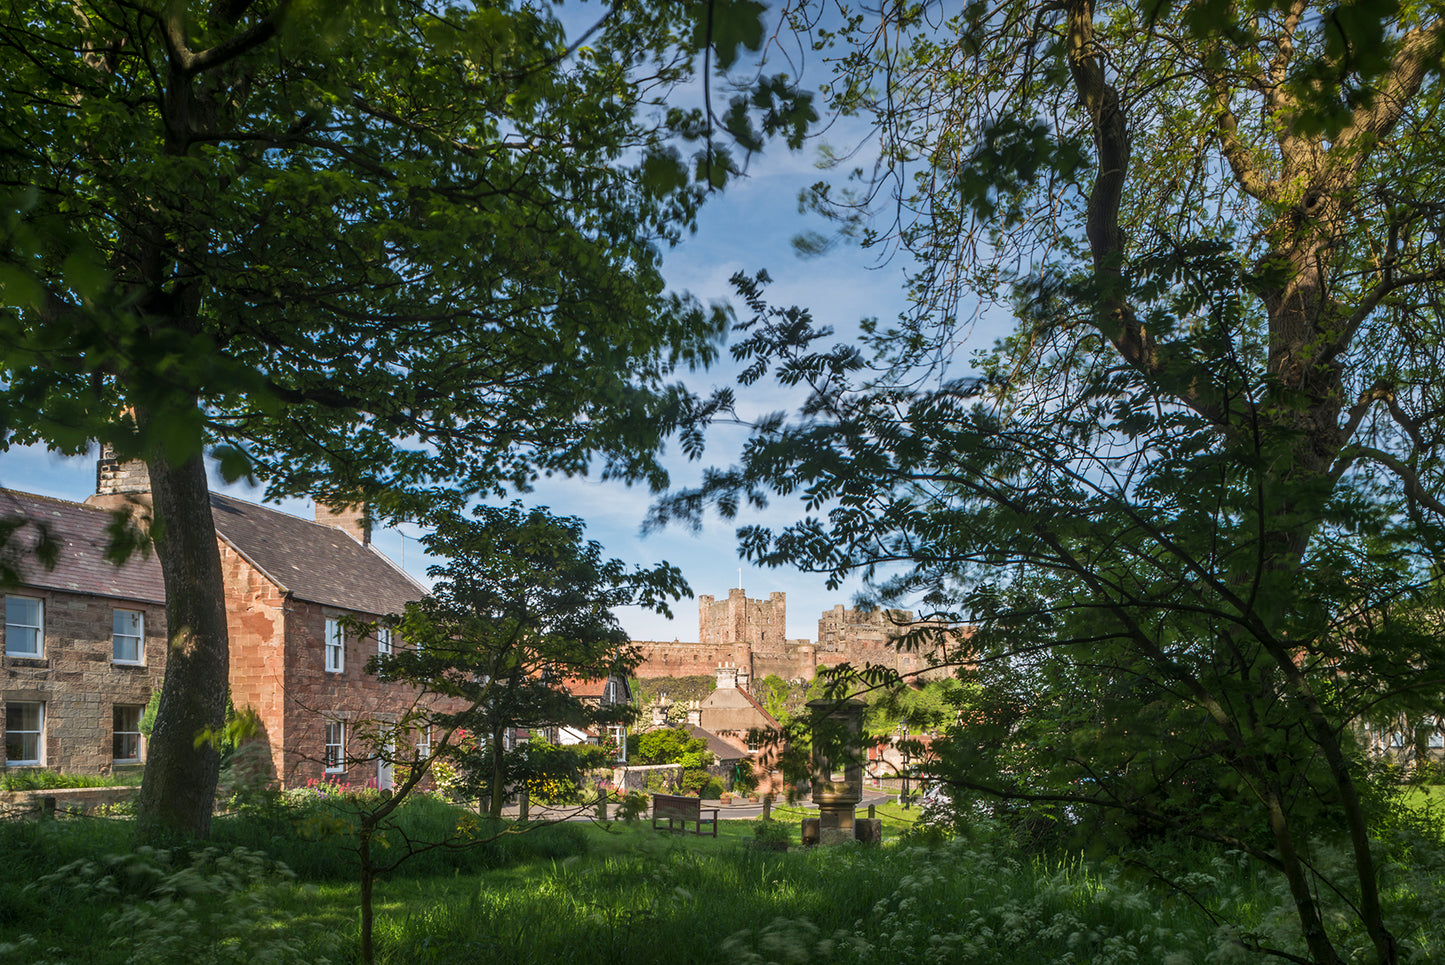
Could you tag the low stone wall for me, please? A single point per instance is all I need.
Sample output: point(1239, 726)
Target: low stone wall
point(635, 778)
point(67, 799)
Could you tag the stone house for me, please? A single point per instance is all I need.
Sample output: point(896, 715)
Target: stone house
point(292, 586)
point(609, 691)
point(736, 716)
point(84, 640)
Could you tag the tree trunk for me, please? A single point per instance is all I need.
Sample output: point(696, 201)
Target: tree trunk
point(179, 789)
point(368, 880)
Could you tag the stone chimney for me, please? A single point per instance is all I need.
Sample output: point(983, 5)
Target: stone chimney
point(727, 677)
point(114, 478)
point(354, 521)
point(742, 679)
point(694, 715)
point(122, 485)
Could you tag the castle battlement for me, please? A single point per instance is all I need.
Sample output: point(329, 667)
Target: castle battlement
point(751, 635)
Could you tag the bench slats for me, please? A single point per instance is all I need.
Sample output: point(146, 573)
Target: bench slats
point(677, 808)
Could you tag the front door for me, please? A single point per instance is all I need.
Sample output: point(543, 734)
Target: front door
point(383, 766)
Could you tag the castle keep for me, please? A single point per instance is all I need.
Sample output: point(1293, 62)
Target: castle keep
point(751, 636)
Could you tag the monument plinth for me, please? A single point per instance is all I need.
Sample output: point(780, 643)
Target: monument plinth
point(837, 767)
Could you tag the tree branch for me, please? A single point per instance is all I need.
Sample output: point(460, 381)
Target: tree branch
point(188, 63)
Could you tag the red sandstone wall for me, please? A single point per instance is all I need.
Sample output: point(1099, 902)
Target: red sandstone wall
point(749, 635)
point(255, 621)
point(278, 667)
point(366, 705)
point(676, 659)
point(742, 626)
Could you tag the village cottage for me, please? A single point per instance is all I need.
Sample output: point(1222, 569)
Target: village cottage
point(85, 641)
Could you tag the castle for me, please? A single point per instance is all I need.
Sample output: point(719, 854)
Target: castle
point(751, 635)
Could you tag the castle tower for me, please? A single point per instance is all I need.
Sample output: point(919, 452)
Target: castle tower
point(743, 625)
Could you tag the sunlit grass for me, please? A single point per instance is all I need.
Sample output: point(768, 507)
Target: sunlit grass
point(625, 893)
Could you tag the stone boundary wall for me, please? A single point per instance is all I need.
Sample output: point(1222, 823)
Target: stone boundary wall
point(634, 778)
point(67, 799)
point(661, 658)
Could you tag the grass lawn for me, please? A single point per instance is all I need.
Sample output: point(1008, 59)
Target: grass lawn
point(1430, 796)
point(585, 893)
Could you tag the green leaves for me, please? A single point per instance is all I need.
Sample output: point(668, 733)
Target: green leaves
point(729, 26)
point(519, 620)
point(410, 243)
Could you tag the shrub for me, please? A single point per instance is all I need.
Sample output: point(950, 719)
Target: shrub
point(632, 806)
point(671, 746)
point(217, 901)
point(39, 779)
point(696, 781)
point(771, 835)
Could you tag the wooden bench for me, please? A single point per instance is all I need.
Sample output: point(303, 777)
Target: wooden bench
point(677, 811)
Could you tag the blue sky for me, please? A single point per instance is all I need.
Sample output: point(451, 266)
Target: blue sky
point(744, 228)
point(747, 227)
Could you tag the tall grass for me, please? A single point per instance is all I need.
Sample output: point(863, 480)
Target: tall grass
point(961, 901)
point(317, 840)
point(580, 894)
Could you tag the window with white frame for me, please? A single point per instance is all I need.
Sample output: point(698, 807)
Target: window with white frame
point(1437, 738)
point(24, 626)
point(423, 742)
point(335, 747)
point(127, 636)
point(24, 733)
point(335, 646)
point(383, 641)
point(618, 733)
point(125, 733)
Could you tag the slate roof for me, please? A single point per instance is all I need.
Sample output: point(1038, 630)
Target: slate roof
point(312, 561)
point(769, 719)
point(721, 747)
point(81, 566)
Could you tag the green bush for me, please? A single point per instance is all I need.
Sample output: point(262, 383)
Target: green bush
point(632, 806)
point(769, 834)
point(670, 746)
point(317, 839)
point(695, 782)
point(39, 779)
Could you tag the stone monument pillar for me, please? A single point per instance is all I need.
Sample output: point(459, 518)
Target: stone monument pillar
point(837, 767)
